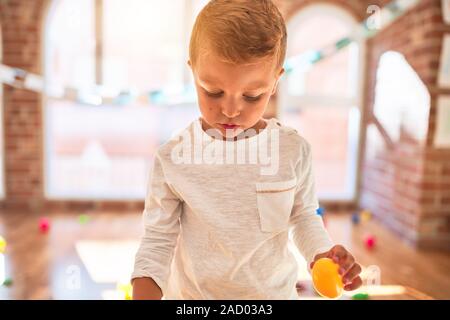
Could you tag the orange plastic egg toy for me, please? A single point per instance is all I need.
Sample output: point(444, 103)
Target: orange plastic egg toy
point(326, 278)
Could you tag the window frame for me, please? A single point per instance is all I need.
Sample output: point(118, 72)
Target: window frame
point(51, 7)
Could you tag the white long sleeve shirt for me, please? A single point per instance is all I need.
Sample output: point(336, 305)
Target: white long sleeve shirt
point(216, 227)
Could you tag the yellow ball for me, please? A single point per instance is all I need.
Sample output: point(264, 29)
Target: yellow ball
point(326, 278)
point(126, 289)
point(2, 245)
point(366, 215)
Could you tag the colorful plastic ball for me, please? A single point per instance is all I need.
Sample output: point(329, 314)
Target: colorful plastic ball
point(370, 241)
point(355, 218)
point(360, 296)
point(326, 278)
point(300, 286)
point(2, 245)
point(126, 289)
point(366, 215)
point(320, 211)
point(8, 282)
point(83, 218)
point(44, 224)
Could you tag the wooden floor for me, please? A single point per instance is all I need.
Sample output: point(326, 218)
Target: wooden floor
point(85, 261)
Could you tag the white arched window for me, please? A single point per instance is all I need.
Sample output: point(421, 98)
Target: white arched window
point(101, 149)
point(402, 104)
point(323, 101)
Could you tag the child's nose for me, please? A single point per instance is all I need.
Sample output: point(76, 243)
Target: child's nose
point(231, 110)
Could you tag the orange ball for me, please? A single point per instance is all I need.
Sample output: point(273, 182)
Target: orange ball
point(326, 278)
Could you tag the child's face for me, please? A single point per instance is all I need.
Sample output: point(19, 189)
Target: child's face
point(234, 94)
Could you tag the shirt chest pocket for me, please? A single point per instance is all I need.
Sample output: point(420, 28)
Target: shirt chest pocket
point(275, 201)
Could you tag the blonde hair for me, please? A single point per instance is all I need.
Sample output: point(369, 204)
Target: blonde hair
point(240, 31)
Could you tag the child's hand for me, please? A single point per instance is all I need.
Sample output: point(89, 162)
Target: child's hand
point(348, 268)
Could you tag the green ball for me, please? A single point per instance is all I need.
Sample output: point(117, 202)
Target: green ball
point(8, 282)
point(361, 296)
point(83, 218)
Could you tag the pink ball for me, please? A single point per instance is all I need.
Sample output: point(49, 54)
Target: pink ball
point(370, 241)
point(44, 224)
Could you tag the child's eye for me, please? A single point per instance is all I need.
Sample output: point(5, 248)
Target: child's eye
point(253, 99)
point(214, 94)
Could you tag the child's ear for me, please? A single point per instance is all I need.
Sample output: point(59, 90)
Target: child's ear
point(189, 63)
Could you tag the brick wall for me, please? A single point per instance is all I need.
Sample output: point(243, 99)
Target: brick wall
point(22, 109)
point(408, 186)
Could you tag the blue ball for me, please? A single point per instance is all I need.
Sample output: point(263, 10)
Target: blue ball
point(355, 218)
point(320, 211)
